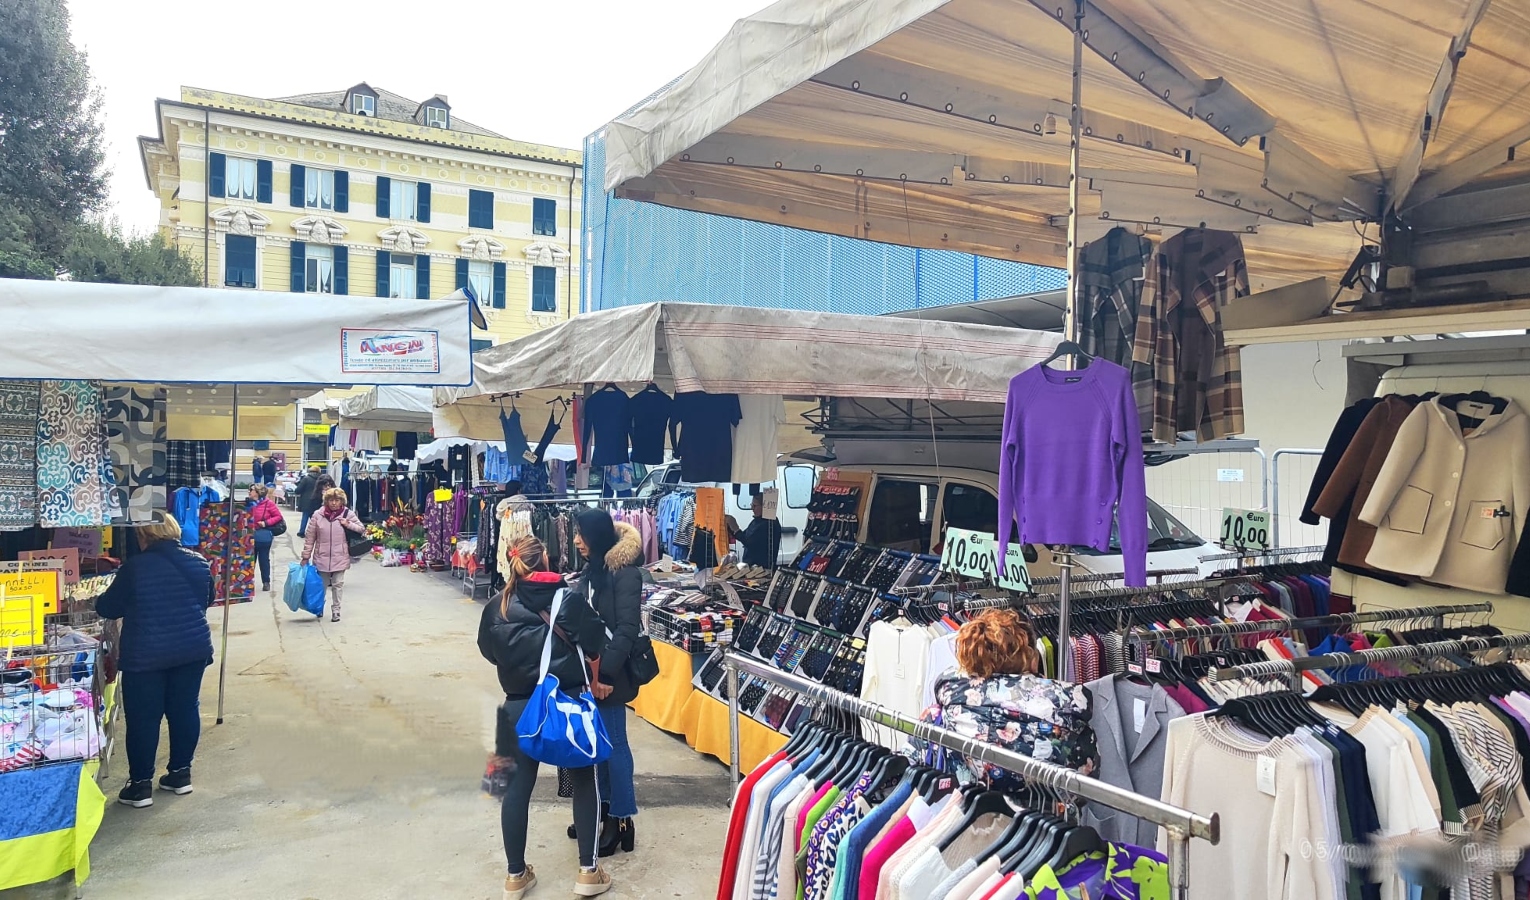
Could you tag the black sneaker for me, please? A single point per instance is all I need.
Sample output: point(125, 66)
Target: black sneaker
point(137, 794)
point(176, 782)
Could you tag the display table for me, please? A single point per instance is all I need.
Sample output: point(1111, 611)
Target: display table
point(671, 703)
point(49, 817)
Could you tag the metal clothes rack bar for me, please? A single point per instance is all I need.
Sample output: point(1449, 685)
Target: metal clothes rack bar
point(1049, 580)
point(1459, 647)
point(1182, 824)
point(1262, 554)
point(1224, 629)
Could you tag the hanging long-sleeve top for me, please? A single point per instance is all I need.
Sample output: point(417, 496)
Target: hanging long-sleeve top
point(607, 420)
point(1449, 506)
point(1071, 462)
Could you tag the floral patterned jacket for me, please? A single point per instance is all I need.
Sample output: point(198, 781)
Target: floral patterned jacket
point(1033, 716)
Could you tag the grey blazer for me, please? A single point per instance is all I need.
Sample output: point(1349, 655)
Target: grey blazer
point(1129, 759)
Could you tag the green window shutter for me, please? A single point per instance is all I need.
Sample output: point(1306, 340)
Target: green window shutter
point(422, 277)
point(499, 285)
point(263, 180)
point(342, 192)
point(299, 269)
point(215, 167)
point(462, 276)
point(383, 259)
point(299, 185)
point(384, 197)
point(422, 203)
point(342, 270)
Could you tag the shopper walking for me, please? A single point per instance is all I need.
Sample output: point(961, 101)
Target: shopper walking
point(327, 547)
point(268, 472)
point(264, 515)
point(309, 498)
point(161, 594)
point(614, 586)
point(512, 635)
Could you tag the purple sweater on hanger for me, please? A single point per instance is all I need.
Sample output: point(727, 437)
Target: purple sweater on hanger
point(1071, 458)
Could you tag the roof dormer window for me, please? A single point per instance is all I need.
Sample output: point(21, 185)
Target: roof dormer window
point(437, 117)
point(363, 104)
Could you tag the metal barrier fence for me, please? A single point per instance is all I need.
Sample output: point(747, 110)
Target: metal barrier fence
point(1197, 488)
point(1291, 472)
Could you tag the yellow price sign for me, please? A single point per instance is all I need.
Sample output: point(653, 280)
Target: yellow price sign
point(25, 599)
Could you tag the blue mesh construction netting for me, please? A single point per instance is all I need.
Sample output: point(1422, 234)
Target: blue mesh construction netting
point(642, 253)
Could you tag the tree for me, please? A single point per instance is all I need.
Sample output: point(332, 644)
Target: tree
point(51, 142)
point(103, 253)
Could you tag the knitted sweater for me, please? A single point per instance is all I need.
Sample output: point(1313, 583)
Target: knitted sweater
point(1071, 462)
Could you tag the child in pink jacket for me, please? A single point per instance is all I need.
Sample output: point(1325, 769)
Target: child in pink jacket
point(325, 544)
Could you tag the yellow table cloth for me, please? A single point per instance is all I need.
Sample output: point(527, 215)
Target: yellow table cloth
point(706, 731)
point(660, 702)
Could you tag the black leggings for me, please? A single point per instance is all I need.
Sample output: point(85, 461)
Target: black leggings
point(515, 813)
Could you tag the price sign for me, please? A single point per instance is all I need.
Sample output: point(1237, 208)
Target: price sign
point(974, 554)
point(1245, 528)
point(25, 598)
point(70, 556)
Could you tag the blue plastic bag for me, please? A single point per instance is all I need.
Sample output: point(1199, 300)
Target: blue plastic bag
point(558, 729)
point(292, 593)
point(313, 591)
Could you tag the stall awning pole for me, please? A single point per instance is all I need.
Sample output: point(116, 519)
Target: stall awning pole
point(1070, 311)
point(228, 558)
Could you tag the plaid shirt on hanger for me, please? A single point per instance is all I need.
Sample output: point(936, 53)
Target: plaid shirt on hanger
point(1185, 377)
point(1110, 279)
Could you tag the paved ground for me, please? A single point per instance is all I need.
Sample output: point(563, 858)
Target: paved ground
point(348, 767)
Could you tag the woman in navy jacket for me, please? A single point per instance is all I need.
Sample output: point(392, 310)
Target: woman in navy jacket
point(161, 594)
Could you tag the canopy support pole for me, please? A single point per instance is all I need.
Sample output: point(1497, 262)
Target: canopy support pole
point(1070, 314)
point(228, 557)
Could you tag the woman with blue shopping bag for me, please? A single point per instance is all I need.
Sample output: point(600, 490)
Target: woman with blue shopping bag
point(546, 643)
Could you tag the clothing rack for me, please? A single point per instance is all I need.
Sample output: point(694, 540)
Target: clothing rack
point(1294, 667)
point(1182, 824)
point(1160, 574)
point(1224, 629)
point(1261, 554)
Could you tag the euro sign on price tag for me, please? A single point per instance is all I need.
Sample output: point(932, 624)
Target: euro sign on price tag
point(1245, 529)
point(973, 554)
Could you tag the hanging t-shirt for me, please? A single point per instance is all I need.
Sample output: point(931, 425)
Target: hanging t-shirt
point(649, 413)
point(706, 435)
point(605, 414)
point(754, 441)
point(405, 443)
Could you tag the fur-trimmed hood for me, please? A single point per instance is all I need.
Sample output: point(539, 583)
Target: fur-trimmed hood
point(628, 550)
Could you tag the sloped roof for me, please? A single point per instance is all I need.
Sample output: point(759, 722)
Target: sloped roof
point(389, 106)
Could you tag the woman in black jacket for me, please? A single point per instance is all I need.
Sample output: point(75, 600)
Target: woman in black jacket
point(511, 635)
point(615, 585)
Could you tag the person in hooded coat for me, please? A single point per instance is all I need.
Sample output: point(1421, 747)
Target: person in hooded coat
point(614, 585)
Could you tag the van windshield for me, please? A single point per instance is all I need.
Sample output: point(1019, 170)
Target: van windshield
point(976, 509)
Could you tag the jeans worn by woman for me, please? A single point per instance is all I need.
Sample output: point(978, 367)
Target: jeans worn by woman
point(616, 773)
point(263, 539)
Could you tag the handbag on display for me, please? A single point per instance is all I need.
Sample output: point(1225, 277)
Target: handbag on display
point(556, 728)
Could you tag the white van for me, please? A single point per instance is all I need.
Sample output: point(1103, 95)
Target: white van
point(913, 504)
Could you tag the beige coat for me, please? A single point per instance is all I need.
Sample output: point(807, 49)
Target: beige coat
point(1449, 508)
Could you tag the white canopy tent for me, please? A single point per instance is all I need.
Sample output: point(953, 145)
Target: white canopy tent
point(388, 408)
point(437, 449)
point(945, 124)
point(743, 350)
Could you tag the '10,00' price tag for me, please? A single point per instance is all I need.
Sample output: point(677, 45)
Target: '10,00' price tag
point(973, 554)
point(1245, 528)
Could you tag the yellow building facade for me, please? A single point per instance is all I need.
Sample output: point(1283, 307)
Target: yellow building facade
point(367, 193)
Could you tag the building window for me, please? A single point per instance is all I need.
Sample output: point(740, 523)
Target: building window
point(363, 105)
point(480, 209)
point(480, 344)
point(481, 279)
point(402, 200)
point(239, 178)
point(401, 284)
point(320, 264)
point(239, 268)
point(544, 289)
point(437, 117)
point(544, 216)
point(319, 189)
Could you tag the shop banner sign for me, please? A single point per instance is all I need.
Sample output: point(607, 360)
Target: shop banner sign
point(1245, 529)
point(972, 554)
point(373, 350)
point(26, 598)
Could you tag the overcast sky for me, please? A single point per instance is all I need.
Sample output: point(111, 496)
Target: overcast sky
point(549, 72)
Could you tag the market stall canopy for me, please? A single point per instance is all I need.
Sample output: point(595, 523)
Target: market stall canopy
point(742, 350)
point(115, 332)
point(945, 124)
point(388, 408)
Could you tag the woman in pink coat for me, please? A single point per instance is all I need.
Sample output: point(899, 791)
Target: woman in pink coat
point(325, 543)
